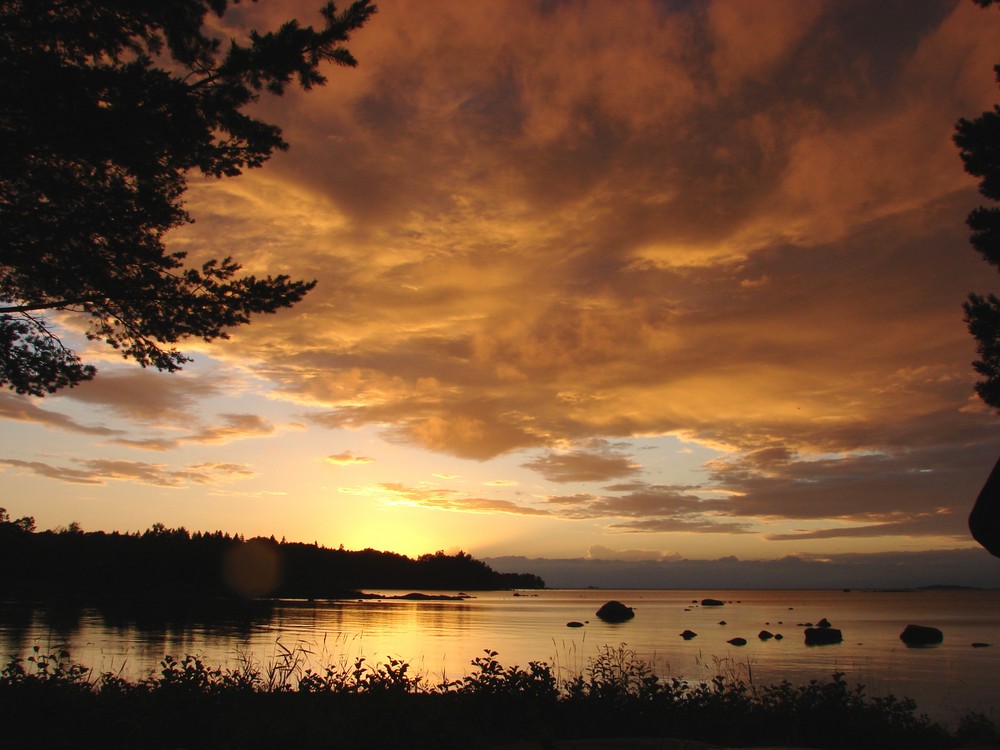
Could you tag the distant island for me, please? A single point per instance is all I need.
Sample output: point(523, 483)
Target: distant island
point(168, 564)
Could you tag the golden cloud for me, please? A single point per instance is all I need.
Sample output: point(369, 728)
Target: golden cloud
point(101, 471)
point(442, 499)
point(347, 458)
point(536, 226)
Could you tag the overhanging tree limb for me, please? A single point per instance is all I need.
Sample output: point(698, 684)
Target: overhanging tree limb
point(63, 304)
point(98, 143)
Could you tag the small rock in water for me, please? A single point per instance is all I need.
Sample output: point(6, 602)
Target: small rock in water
point(824, 623)
point(765, 635)
point(711, 603)
point(737, 641)
point(722, 622)
point(778, 636)
point(921, 635)
point(977, 644)
point(687, 635)
point(574, 624)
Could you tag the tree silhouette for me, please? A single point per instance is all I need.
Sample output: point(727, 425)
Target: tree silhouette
point(163, 564)
point(105, 108)
point(979, 141)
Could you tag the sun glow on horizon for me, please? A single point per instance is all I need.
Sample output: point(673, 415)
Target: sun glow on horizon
point(698, 302)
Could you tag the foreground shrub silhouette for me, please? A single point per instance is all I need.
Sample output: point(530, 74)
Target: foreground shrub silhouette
point(47, 699)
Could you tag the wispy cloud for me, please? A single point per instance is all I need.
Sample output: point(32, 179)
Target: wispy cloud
point(102, 471)
point(233, 427)
point(146, 395)
point(23, 409)
point(64, 474)
point(584, 466)
point(600, 552)
point(347, 458)
point(652, 509)
point(443, 499)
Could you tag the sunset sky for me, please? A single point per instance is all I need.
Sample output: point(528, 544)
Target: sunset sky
point(609, 280)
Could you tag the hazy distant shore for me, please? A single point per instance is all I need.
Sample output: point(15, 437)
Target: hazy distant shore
point(967, 567)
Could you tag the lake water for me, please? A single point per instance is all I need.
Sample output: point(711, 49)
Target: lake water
point(440, 638)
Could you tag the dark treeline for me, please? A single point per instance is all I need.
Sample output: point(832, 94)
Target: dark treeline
point(71, 564)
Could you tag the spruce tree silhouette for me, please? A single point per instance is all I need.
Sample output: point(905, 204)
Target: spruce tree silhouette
point(979, 141)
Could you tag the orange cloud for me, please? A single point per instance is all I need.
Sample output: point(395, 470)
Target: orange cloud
point(145, 395)
point(539, 227)
point(347, 458)
point(584, 466)
point(234, 427)
point(23, 409)
point(752, 39)
point(101, 471)
point(442, 499)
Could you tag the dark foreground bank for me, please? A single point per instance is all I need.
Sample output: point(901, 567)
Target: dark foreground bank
point(46, 700)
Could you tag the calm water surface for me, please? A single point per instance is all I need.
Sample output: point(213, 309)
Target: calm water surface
point(440, 638)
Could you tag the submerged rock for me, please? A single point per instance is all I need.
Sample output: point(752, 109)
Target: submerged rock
point(978, 644)
point(921, 635)
point(615, 612)
point(416, 596)
point(823, 636)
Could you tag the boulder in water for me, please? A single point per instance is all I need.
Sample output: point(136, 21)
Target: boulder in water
point(711, 603)
point(823, 636)
point(765, 635)
point(737, 641)
point(615, 612)
point(921, 635)
point(687, 635)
